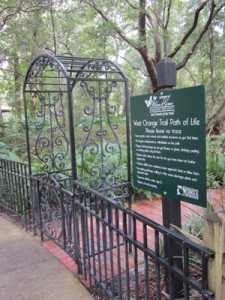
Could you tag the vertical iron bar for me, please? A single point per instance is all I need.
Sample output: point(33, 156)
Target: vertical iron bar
point(99, 247)
point(134, 220)
point(26, 199)
point(118, 252)
point(146, 269)
point(68, 220)
point(34, 204)
point(71, 130)
point(88, 199)
point(27, 130)
point(128, 139)
point(204, 274)
point(110, 212)
point(16, 193)
point(28, 195)
point(84, 236)
point(92, 228)
point(101, 137)
point(157, 266)
point(51, 130)
point(7, 184)
point(186, 272)
point(126, 246)
point(10, 178)
point(5, 181)
point(20, 191)
point(12, 184)
point(128, 158)
point(171, 276)
point(13, 188)
point(76, 218)
point(23, 193)
point(39, 210)
point(63, 219)
point(104, 239)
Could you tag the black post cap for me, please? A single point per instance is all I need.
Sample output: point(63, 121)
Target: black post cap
point(166, 73)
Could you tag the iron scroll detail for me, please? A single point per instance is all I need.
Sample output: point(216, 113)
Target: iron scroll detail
point(51, 145)
point(104, 148)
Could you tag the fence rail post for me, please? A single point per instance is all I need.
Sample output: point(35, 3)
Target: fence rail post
point(215, 240)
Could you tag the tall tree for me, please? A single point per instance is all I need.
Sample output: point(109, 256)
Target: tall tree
point(9, 9)
point(174, 29)
point(20, 23)
point(207, 68)
point(145, 26)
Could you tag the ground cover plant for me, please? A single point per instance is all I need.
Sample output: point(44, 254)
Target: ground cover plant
point(195, 224)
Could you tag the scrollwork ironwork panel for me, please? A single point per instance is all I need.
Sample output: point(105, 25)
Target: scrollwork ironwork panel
point(42, 64)
point(52, 144)
point(101, 152)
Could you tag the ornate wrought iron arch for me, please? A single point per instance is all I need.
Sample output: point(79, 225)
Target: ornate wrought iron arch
point(50, 122)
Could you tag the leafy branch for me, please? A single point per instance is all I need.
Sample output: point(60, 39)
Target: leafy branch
point(10, 11)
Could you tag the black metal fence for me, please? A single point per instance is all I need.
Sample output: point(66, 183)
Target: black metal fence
point(15, 189)
point(115, 248)
point(118, 249)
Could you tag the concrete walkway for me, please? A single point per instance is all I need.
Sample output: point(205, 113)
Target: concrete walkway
point(28, 271)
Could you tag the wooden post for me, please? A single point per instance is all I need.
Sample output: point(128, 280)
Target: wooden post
point(171, 208)
point(215, 240)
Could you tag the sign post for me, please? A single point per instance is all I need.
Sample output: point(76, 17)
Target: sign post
point(168, 143)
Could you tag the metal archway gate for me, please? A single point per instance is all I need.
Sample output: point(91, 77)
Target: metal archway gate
point(64, 94)
point(79, 166)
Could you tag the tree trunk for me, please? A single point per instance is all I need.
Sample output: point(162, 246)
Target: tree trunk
point(216, 123)
point(150, 67)
point(1, 119)
point(122, 106)
point(17, 85)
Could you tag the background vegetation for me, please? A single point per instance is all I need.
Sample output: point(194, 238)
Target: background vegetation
point(137, 34)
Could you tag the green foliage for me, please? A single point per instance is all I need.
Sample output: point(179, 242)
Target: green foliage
point(195, 223)
point(7, 152)
point(215, 161)
point(93, 160)
point(75, 28)
point(143, 194)
point(1, 130)
point(13, 141)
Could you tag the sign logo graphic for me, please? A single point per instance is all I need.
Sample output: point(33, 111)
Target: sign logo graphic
point(187, 192)
point(160, 106)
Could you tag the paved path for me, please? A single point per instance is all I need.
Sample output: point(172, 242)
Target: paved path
point(29, 272)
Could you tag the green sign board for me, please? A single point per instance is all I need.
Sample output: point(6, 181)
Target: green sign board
point(168, 143)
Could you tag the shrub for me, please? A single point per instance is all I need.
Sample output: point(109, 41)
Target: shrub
point(215, 161)
point(195, 223)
